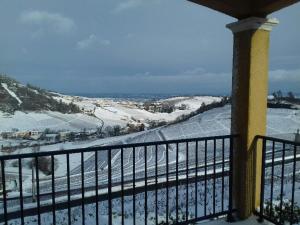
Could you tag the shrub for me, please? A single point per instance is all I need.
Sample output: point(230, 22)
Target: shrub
point(44, 164)
point(274, 211)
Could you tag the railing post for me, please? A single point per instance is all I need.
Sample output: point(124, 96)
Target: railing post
point(230, 217)
point(262, 183)
point(4, 191)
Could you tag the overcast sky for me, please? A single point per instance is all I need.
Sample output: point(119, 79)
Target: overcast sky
point(133, 46)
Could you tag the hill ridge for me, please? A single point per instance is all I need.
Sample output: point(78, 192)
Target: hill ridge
point(15, 96)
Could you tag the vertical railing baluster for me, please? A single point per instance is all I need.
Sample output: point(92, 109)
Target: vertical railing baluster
point(146, 187)
point(21, 190)
point(69, 188)
point(262, 189)
point(97, 187)
point(109, 186)
point(272, 178)
point(4, 191)
point(177, 181)
point(122, 186)
point(282, 182)
point(53, 190)
point(205, 177)
point(293, 185)
point(196, 180)
point(214, 178)
point(37, 182)
point(156, 181)
point(167, 186)
point(187, 183)
point(230, 188)
point(82, 189)
point(223, 175)
point(133, 175)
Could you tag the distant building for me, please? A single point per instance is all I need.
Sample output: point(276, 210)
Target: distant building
point(64, 136)
point(35, 135)
point(52, 137)
point(22, 134)
point(7, 135)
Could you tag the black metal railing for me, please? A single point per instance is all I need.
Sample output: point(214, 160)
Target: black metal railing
point(280, 181)
point(166, 182)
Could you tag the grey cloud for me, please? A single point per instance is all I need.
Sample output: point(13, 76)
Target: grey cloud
point(285, 80)
point(285, 75)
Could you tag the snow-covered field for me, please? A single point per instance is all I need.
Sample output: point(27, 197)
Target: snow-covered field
point(97, 111)
point(41, 120)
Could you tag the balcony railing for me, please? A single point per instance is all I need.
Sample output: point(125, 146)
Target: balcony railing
point(280, 181)
point(167, 182)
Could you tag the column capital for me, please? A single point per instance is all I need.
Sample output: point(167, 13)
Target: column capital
point(253, 23)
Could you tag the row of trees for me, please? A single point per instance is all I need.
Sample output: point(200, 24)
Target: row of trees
point(203, 108)
point(283, 101)
point(117, 130)
point(163, 107)
point(290, 96)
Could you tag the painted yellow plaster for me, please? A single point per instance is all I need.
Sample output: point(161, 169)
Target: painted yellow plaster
point(249, 110)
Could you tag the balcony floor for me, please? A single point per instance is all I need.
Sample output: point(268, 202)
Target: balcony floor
point(251, 221)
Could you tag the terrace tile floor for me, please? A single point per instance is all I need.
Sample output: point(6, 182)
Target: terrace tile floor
point(251, 221)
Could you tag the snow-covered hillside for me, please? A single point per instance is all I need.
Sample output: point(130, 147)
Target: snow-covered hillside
point(15, 96)
point(95, 111)
point(4, 85)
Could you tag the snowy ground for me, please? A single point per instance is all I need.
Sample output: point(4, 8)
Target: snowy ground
point(39, 121)
point(97, 111)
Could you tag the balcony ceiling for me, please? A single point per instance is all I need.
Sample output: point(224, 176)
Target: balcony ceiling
point(241, 9)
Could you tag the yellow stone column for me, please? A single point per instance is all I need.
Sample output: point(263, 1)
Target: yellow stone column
point(249, 107)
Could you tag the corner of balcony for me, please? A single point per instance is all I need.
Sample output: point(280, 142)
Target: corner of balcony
point(253, 220)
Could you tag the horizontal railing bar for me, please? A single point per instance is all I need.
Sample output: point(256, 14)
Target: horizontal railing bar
point(115, 184)
point(207, 217)
point(112, 147)
point(279, 140)
point(116, 194)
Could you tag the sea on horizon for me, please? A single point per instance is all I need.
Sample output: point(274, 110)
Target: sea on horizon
point(137, 96)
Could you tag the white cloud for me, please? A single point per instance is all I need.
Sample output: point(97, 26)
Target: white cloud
point(49, 21)
point(92, 41)
point(128, 4)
